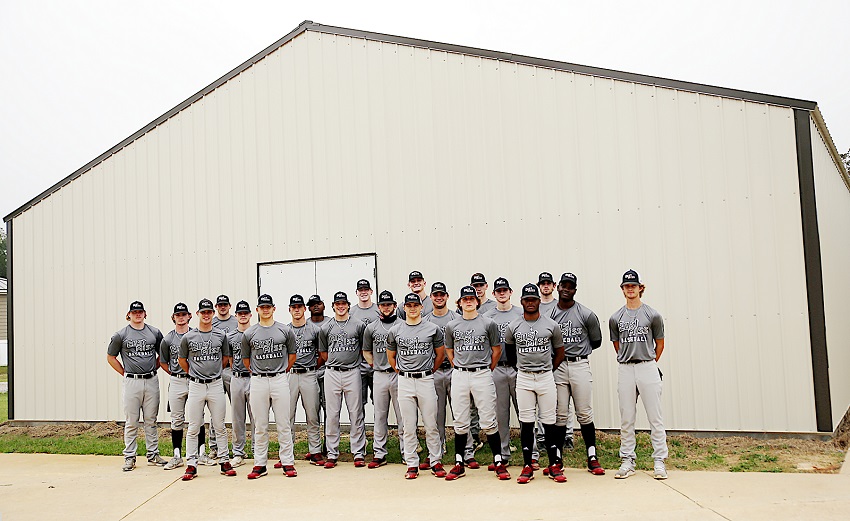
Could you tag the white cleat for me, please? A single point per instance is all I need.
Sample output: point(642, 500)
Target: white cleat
point(626, 469)
point(174, 463)
point(237, 461)
point(660, 471)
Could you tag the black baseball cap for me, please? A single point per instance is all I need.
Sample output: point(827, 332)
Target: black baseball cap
point(314, 299)
point(630, 277)
point(136, 306)
point(530, 291)
point(363, 284)
point(205, 304)
point(501, 283)
point(340, 296)
point(180, 308)
point(468, 291)
point(415, 275)
point(569, 277)
point(265, 300)
point(296, 300)
point(477, 278)
point(438, 287)
point(242, 307)
point(545, 277)
point(222, 299)
point(412, 298)
point(386, 298)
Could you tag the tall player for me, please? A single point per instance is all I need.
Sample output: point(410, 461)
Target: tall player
point(415, 349)
point(637, 332)
point(240, 386)
point(546, 285)
point(473, 346)
point(317, 317)
point(367, 311)
point(178, 384)
point(478, 282)
point(573, 379)
point(226, 322)
point(536, 344)
point(441, 316)
point(416, 284)
point(138, 344)
point(268, 353)
point(204, 352)
point(340, 346)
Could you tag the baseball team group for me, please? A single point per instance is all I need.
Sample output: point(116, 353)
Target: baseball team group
point(481, 357)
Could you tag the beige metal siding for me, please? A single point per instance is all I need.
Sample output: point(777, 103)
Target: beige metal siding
point(448, 164)
point(833, 202)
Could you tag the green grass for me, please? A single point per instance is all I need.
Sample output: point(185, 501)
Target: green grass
point(4, 407)
point(4, 373)
point(757, 462)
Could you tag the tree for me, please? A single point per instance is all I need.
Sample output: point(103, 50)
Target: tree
point(2, 254)
point(846, 158)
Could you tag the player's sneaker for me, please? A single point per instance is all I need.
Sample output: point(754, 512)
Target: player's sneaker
point(535, 465)
point(330, 463)
point(129, 464)
point(227, 469)
point(501, 472)
point(438, 470)
point(237, 461)
point(173, 463)
point(156, 461)
point(206, 460)
point(257, 472)
point(425, 464)
point(660, 471)
point(412, 473)
point(546, 469)
point(456, 472)
point(569, 443)
point(594, 467)
point(278, 465)
point(626, 469)
point(289, 471)
point(377, 462)
point(316, 459)
point(472, 464)
point(526, 475)
point(190, 474)
point(359, 463)
point(556, 474)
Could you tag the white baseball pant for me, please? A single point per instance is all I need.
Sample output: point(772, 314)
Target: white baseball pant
point(504, 378)
point(384, 391)
point(212, 395)
point(574, 380)
point(478, 384)
point(536, 391)
point(306, 386)
point(443, 386)
point(419, 395)
point(141, 399)
point(641, 377)
point(178, 393)
point(271, 392)
point(240, 396)
point(339, 384)
point(226, 376)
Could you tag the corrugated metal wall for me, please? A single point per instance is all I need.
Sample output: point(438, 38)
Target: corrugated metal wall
point(833, 202)
point(448, 164)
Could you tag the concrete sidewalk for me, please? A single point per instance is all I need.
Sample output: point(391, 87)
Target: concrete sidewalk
point(86, 487)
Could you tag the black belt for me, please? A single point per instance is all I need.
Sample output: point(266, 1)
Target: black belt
point(536, 372)
point(180, 375)
point(269, 375)
point(421, 374)
point(390, 370)
point(504, 364)
point(146, 376)
point(472, 369)
point(204, 380)
point(635, 361)
point(242, 374)
point(301, 370)
point(342, 368)
point(576, 358)
point(446, 365)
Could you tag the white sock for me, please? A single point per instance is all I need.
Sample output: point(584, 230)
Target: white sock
point(497, 459)
point(591, 451)
point(202, 450)
point(176, 453)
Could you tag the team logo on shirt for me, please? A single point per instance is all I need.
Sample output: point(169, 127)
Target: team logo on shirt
point(264, 349)
point(303, 346)
point(502, 329)
point(236, 348)
point(469, 341)
point(572, 335)
point(414, 346)
point(202, 350)
point(379, 342)
point(338, 342)
point(531, 342)
point(633, 331)
point(139, 348)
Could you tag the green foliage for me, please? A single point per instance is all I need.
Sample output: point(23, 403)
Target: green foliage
point(757, 462)
point(2, 254)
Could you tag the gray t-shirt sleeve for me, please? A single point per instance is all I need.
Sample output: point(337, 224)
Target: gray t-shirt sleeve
point(367, 339)
point(509, 334)
point(493, 334)
point(184, 348)
point(449, 336)
point(164, 352)
point(291, 345)
point(246, 343)
point(657, 326)
point(391, 342)
point(115, 344)
point(557, 339)
point(594, 331)
point(613, 329)
point(323, 338)
point(439, 338)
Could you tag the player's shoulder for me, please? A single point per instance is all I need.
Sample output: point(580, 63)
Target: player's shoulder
point(584, 311)
point(548, 322)
point(651, 312)
point(251, 331)
point(615, 317)
point(155, 331)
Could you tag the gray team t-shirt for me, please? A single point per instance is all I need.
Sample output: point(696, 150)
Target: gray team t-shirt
point(231, 324)
point(502, 320)
point(546, 308)
point(267, 347)
point(636, 331)
point(486, 306)
point(535, 342)
point(472, 341)
point(306, 339)
point(342, 341)
point(375, 341)
point(367, 315)
point(204, 352)
point(138, 348)
point(169, 351)
point(579, 326)
point(415, 346)
point(234, 339)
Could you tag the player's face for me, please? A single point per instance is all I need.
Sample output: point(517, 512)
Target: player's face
point(297, 311)
point(481, 290)
point(181, 319)
point(223, 309)
point(317, 309)
point(546, 287)
point(413, 310)
point(205, 316)
point(469, 303)
point(439, 299)
point(531, 305)
point(243, 317)
point(631, 291)
point(502, 295)
point(567, 291)
point(386, 309)
point(138, 317)
point(364, 295)
point(341, 308)
point(416, 285)
point(265, 312)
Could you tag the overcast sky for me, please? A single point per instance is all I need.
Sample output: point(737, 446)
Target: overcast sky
point(80, 76)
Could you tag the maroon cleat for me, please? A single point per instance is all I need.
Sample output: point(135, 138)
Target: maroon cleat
point(330, 463)
point(457, 472)
point(227, 469)
point(526, 475)
point(190, 474)
point(425, 464)
point(289, 471)
point(359, 463)
point(438, 470)
point(594, 467)
point(472, 464)
point(502, 473)
point(257, 472)
point(556, 474)
point(377, 462)
point(412, 473)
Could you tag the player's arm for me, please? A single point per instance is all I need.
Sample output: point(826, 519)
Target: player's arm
point(558, 347)
point(323, 346)
point(164, 353)
point(391, 349)
point(112, 353)
point(495, 344)
point(115, 364)
point(184, 363)
point(441, 355)
point(246, 352)
point(291, 361)
point(367, 355)
point(614, 331)
point(158, 342)
point(183, 354)
point(449, 338)
point(659, 348)
point(247, 363)
point(496, 354)
point(559, 357)
point(510, 350)
point(391, 359)
point(616, 346)
point(367, 347)
point(594, 332)
point(657, 326)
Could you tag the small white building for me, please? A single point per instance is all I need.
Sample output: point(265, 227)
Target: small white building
point(336, 154)
point(4, 360)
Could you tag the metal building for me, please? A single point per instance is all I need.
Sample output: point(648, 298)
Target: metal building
point(363, 154)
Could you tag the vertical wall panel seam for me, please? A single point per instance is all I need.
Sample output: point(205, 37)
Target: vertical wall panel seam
point(10, 320)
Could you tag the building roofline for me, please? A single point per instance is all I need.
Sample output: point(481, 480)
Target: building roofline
point(309, 25)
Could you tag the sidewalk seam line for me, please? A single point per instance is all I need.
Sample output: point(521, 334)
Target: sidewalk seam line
point(697, 503)
point(145, 502)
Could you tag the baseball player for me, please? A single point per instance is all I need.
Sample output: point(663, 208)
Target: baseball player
point(367, 311)
point(474, 349)
point(504, 375)
point(269, 354)
point(240, 386)
point(138, 344)
point(637, 332)
point(441, 316)
point(531, 341)
point(573, 378)
point(415, 349)
point(416, 284)
point(226, 322)
point(204, 352)
point(178, 385)
point(317, 317)
point(546, 285)
point(478, 282)
point(340, 346)
point(302, 377)
point(385, 378)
